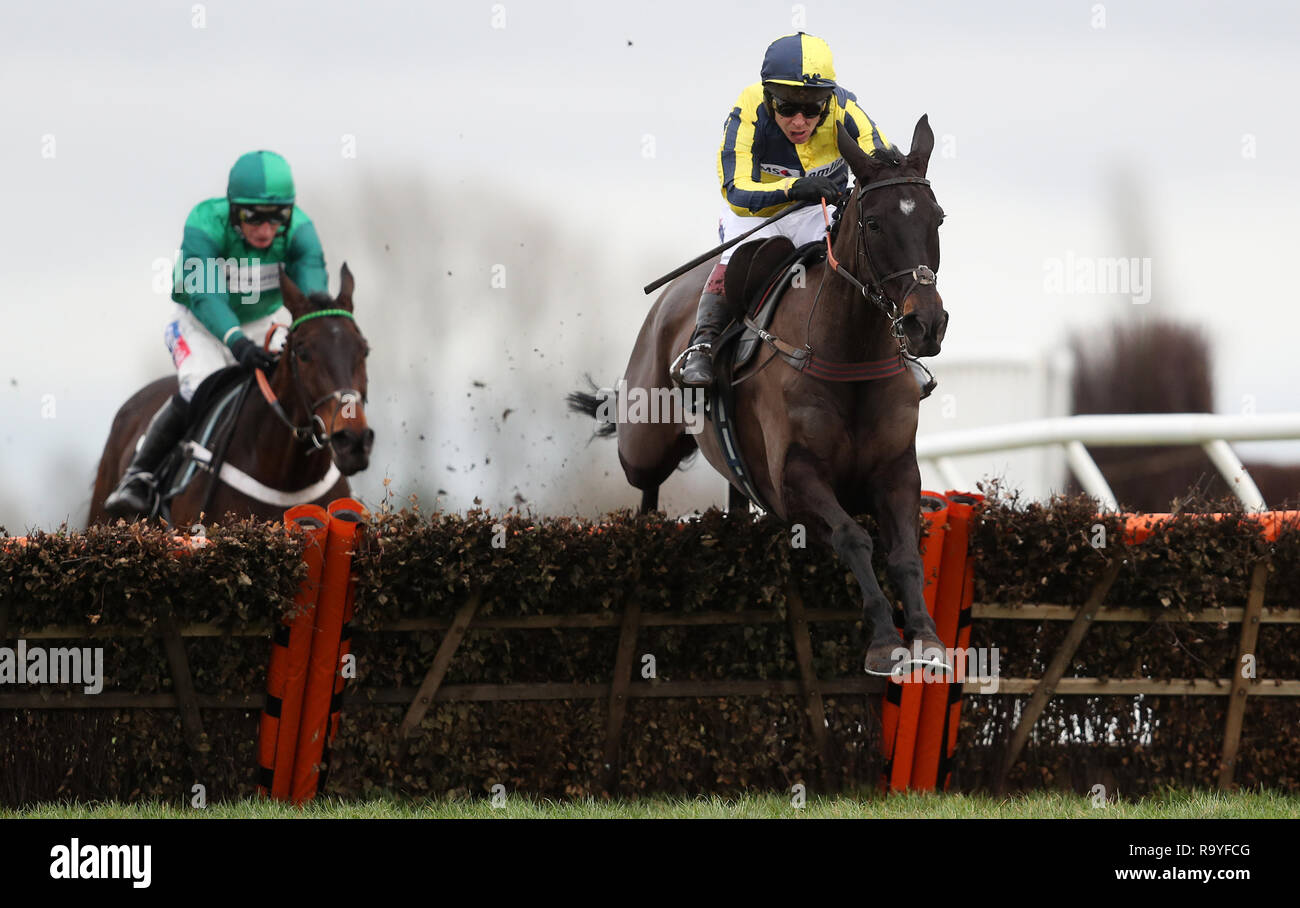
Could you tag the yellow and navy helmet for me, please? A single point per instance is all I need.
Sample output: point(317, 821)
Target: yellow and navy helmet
point(799, 60)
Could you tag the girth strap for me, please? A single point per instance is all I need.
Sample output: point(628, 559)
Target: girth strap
point(803, 359)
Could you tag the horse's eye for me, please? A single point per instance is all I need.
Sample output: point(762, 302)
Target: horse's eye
point(304, 355)
point(873, 224)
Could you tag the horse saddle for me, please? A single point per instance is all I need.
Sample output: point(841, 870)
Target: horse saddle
point(757, 277)
point(212, 414)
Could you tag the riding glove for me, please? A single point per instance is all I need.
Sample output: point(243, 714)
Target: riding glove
point(814, 189)
point(251, 356)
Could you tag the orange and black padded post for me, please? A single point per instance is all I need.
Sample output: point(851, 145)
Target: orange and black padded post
point(346, 516)
point(287, 673)
point(937, 698)
point(967, 501)
point(901, 711)
point(345, 650)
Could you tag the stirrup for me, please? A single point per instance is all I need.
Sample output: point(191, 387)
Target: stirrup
point(675, 369)
point(115, 501)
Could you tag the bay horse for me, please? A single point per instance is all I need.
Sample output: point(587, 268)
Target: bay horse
point(821, 451)
point(306, 425)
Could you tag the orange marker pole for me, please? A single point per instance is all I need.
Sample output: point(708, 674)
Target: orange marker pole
point(963, 643)
point(346, 516)
point(930, 738)
point(287, 673)
point(909, 698)
point(345, 650)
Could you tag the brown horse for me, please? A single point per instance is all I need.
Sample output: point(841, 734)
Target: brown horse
point(821, 451)
point(308, 426)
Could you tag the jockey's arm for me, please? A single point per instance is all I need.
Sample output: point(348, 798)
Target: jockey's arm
point(210, 305)
point(860, 126)
point(743, 193)
point(305, 259)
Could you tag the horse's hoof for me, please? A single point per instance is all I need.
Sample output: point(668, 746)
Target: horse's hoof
point(884, 660)
point(928, 652)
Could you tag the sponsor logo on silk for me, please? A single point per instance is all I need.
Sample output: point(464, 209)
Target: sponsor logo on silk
point(785, 170)
point(176, 344)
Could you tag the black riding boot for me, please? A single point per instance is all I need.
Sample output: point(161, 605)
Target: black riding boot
point(135, 493)
point(710, 318)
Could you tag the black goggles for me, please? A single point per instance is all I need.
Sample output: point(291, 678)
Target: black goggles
point(263, 214)
point(788, 108)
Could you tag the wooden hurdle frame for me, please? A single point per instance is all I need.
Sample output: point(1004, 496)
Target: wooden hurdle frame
point(621, 688)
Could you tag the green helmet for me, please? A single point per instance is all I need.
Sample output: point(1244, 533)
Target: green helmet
point(260, 178)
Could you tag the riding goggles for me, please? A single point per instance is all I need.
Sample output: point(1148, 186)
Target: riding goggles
point(788, 108)
point(263, 214)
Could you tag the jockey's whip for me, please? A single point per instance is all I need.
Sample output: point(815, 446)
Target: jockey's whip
point(679, 271)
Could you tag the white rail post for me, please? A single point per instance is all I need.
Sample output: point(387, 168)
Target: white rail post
point(1234, 472)
point(1089, 476)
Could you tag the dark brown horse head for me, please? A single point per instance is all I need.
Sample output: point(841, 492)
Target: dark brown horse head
point(899, 227)
point(322, 373)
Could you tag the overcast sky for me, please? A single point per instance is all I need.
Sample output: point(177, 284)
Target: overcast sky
point(573, 143)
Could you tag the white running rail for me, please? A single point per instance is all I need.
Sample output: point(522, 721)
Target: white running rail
point(1211, 431)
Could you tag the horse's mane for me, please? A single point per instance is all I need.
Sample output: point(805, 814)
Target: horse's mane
point(320, 300)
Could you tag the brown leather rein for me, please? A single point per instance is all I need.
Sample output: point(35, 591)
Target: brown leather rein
point(804, 360)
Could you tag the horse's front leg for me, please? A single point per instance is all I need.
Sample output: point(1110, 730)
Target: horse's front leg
point(810, 500)
point(896, 506)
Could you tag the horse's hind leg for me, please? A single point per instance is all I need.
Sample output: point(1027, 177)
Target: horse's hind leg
point(649, 453)
point(810, 500)
point(650, 500)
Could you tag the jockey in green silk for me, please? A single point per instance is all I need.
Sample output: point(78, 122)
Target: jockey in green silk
point(226, 293)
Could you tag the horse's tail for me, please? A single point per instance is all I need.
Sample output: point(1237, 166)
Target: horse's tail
point(589, 405)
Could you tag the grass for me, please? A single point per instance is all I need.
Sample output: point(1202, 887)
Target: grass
point(867, 805)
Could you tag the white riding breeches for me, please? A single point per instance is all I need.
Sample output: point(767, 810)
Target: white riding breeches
point(196, 353)
point(807, 225)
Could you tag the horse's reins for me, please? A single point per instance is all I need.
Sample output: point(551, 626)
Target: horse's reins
point(314, 431)
point(803, 358)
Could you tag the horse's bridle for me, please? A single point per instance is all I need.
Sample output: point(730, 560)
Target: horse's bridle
point(314, 431)
point(874, 288)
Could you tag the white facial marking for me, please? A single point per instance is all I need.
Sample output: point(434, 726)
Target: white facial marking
point(907, 206)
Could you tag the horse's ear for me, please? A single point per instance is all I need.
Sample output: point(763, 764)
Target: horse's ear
point(922, 145)
point(294, 301)
point(859, 161)
point(345, 288)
